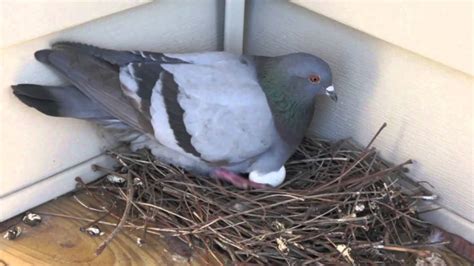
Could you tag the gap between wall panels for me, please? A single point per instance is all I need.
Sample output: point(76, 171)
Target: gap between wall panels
point(234, 21)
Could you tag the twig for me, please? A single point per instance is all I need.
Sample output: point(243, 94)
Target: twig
point(421, 253)
point(109, 238)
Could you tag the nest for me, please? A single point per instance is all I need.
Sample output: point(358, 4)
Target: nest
point(339, 204)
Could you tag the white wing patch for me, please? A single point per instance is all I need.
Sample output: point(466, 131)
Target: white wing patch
point(130, 85)
point(226, 111)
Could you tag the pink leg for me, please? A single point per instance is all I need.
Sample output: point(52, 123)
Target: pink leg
point(235, 179)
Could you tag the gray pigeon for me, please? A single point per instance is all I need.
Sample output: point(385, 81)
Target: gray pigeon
point(212, 113)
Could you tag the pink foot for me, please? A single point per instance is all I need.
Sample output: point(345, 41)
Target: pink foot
point(235, 179)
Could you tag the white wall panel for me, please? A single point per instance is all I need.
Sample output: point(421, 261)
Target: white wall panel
point(439, 30)
point(428, 106)
point(35, 148)
point(24, 20)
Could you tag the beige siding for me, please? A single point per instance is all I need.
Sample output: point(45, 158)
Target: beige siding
point(26, 20)
point(428, 106)
point(439, 30)
point(41, 155)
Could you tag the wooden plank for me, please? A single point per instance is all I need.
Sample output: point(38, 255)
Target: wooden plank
point(58, 241)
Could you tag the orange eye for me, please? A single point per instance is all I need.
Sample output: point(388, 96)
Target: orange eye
point(314, 79)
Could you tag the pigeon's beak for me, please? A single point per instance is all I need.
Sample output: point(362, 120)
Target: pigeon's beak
point(331, 93)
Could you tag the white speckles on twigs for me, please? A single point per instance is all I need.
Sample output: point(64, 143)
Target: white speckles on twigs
point(13, 233)
point(31, 219)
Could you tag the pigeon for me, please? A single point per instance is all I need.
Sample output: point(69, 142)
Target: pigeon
point(212, 113)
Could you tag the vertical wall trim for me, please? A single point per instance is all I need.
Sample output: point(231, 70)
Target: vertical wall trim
point(234, 26)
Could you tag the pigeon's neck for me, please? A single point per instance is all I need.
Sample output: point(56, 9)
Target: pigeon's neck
point(292, 113)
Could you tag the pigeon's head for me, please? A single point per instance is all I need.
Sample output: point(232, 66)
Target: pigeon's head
point(308, 75)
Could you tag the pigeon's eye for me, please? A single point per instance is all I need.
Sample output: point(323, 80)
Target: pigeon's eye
point(315, 79)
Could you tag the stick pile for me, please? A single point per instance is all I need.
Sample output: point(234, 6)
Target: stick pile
point(339, 204)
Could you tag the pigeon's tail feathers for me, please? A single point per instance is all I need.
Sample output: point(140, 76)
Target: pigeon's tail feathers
point(42, 55)
point(60, 101)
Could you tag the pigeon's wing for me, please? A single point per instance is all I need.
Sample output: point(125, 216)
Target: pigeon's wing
point(99, 81)
point(205, 105)
point(95, 72)
point(209, 106)
point(114, 57)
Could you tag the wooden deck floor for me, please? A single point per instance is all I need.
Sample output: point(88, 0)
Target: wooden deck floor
point(58, 241)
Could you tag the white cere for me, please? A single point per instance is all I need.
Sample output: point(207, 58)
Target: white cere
point(330, 89)
point(32, 219)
